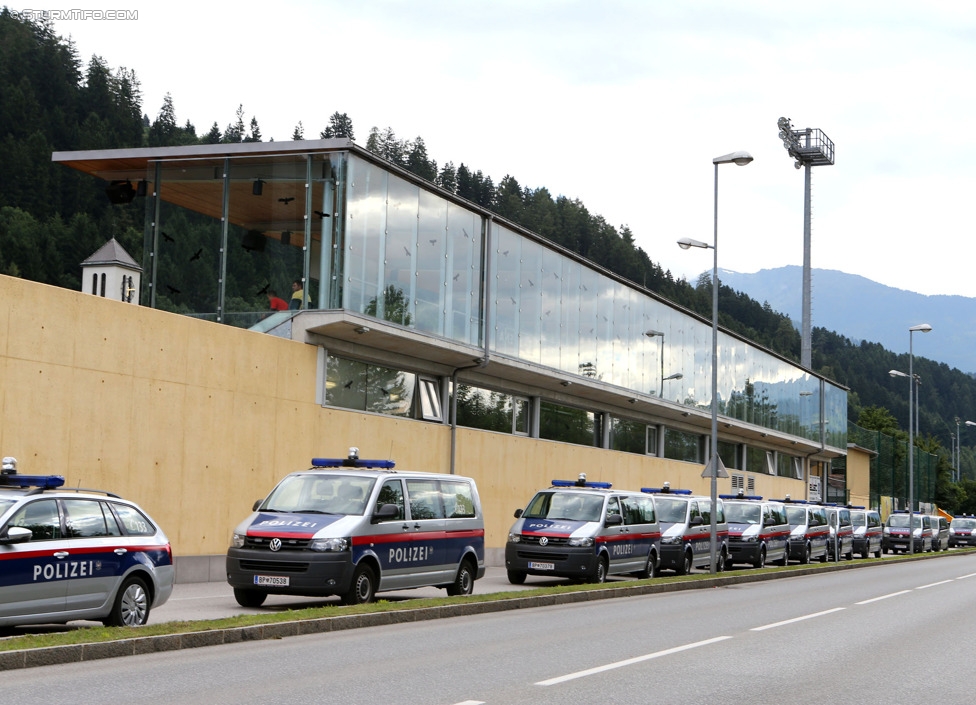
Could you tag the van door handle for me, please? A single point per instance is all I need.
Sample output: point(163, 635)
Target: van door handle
point(121, 551)
point(60, 554)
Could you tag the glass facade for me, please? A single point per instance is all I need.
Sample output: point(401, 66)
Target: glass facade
point(349, 233)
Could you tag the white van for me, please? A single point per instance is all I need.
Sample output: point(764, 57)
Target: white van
point(686, 523)
point(584, 531)
point(352, 528)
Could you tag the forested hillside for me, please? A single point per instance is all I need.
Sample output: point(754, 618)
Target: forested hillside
point(51, 218)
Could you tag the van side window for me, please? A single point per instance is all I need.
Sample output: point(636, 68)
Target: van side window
point(694, 511)
point(425, 499)
point(613, 507)
point(638, 510)
point(391, 493)
point(458, 499)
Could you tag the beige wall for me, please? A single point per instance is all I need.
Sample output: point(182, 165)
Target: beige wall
point(859, 476)
point(195, 421)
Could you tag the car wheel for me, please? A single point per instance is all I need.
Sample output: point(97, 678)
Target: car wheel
point(866, 553)
point(785, 560)
point(600, 575)
point(686, 564)
point(363, 586)
point(722, 562)
point(516, 577)
point(761, 561)
point(877, 554)
point(805, 558)
point(131, 608)
point(464, 581)
point(650, 568)
point(249, 598)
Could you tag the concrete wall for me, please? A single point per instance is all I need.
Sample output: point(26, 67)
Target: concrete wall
point(195, 421)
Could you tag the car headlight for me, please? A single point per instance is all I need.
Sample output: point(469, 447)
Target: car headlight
point(671, 540)
point(887, 531)
point(333, 544)
point(237, 540)
point(514, 538)
point(585, 541)
point(749, 539)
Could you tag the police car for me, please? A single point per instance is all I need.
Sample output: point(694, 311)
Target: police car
point(841, 541)
point(69, 554)
point(584, 531)
point(896, 533)
point(686, 529)
point(354, 527)
point(809, 530)
point(868, 531)
point(962, 530)
point(758, 530)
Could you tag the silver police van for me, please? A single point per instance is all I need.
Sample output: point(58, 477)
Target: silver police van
point(809, 531)
point(841, 541)
point(868, 531)
point(758, 530)
point(353, 527)
point(69, 554)
point(584, 531)
point(686, 523)
point(962, 531)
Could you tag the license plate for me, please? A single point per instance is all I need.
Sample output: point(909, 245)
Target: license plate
point(542, 566)
point(271, 580)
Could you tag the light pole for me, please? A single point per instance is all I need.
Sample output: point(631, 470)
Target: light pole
point(739, 159)
point(676, 375)
point(912, 381)
point(959, 457)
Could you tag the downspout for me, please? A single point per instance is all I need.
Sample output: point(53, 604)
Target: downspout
point(482, 362)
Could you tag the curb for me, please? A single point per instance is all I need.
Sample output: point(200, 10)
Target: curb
point(75, 653)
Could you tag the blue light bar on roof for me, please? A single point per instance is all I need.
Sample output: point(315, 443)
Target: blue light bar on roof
point(45, 482)
point(787, 500)
point(352, 463)
point(663, 490)
point(753, 497)
point(578, 483)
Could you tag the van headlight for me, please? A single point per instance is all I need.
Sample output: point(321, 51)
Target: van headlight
point(514, 538)
point(672, 540)
point(585, 541)
point(334, 544)
point(237, 540)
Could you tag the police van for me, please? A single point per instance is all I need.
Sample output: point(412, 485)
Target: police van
point(758, 530)
point(841, 541)
point(584, 531)
point(809, 531)
point(898, 538)
point(686, 529)
point(962, 530)
point(69, 554)
point(868, 531)
point(354, 527)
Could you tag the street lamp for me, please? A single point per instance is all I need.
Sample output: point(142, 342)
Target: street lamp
point(676, 375)
point(739, 159)
point(658, 334)
point(959, 456)
point(912, 382)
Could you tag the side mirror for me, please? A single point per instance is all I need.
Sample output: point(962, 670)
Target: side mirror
point(385, 513)
point(696, 521)
point(257, 503)
point(518, 513)
point(613, 520)
point(16, 534)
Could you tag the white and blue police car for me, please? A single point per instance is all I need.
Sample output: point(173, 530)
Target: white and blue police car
point(686, 523)
point(353, 527)
point(583, 531)
point(758, 530)
point(73, 554)
point(809, 530)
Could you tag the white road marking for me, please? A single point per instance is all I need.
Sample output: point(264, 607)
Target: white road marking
point(963, 577)
point(941, 582)
point(795, 619)
point(631, 661)
point(883, 597)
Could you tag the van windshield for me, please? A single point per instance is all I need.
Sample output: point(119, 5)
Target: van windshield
point(320, 494)
point(796, 516)
point(575, 506)
point(900, 521)
point(964, 523)
point(670, 510)
point(743, 513)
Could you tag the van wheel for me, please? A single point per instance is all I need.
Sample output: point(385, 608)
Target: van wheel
point(761, 561)
point(363, 587)
point(805, 558)
point(686, 564)
point(516, 577)
point(825, 557)
point(650, 568)
point(249, 598)
point(723, 563)
point(464, 581)
point(600, 576)
point(866, 553)
point(131, 608)
point(849, 556)
point(785, 560)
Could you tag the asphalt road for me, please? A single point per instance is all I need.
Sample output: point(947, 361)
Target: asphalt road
point(889, 632)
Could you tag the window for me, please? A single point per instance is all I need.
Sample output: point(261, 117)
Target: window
point(83, 518)
point(680, 445)
point(41, 517)
point(759, 460)
point(632, 436)
point(425, 499)
point(731, 455)
point(133, 521)
point(392, 493)
point(569, 424)
point(430, 399)
point(351, 384)
point(492, 411)
point(457, 498)
point(789, 466)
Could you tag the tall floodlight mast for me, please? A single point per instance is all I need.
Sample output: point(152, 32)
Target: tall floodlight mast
point(810, 147)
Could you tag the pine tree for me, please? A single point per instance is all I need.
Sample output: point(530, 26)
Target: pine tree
point(299, 133)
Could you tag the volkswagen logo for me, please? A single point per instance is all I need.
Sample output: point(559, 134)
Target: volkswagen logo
point(544, 541)
point(275, 544)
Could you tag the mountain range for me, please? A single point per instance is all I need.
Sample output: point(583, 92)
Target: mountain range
point(863, 310)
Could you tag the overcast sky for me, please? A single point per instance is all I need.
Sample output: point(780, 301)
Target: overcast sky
point(621, 105)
